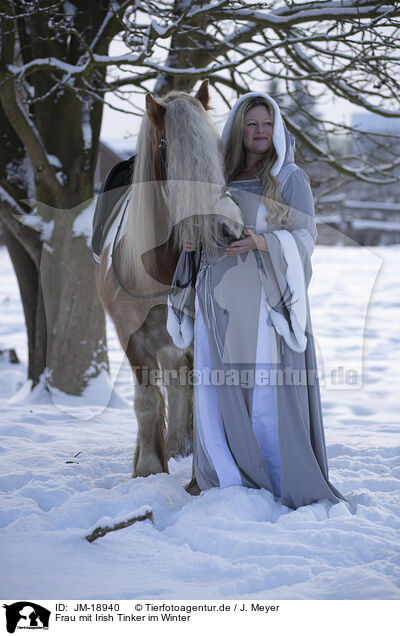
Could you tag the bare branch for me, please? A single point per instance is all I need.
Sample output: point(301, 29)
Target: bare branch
point(9, 213)
point(346, 48)
point(19, 118)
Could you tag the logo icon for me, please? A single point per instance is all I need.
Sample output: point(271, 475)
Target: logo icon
point(26, 615)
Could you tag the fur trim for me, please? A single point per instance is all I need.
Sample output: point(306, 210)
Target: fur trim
point(278, 136)
point(296, 339)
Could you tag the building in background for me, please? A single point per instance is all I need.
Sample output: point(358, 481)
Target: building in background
point(111, 152)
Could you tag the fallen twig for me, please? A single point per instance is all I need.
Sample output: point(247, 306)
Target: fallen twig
point(71, 461)
point(102, 530)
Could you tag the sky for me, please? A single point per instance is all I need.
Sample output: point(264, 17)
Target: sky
point(117, 125)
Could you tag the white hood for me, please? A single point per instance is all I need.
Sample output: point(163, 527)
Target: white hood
point(282, 139)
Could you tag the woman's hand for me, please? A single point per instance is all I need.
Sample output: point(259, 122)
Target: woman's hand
point(252, 242)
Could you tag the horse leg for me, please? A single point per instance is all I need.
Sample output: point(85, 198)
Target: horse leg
point(149, 406)
point(192, 487)
point(179, 389)
point(179, 439)
point(150, 454)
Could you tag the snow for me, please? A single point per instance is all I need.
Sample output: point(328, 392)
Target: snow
point(69, 8)
point(19, 171)
point(329, 218)
point(4, 196)
point(15, 172)
point(36, 222)
point(54, 161)
point(98, 395)
point(63, 475)
point(60, 174)
point(82, 225)
point(373, 205)
point(158, 29)
point(360, 224)
point(47, 63)
point(388, 206)
point(86, 131)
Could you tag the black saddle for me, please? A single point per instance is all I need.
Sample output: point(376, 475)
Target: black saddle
point(113, 188)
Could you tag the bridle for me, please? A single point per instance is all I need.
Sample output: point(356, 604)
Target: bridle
point(162, 145)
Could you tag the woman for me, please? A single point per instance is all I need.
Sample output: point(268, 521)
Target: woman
point(257, 412)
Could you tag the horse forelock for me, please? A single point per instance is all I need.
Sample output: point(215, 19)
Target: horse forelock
point(182, 111)
point(193, 147)
point(194, 170)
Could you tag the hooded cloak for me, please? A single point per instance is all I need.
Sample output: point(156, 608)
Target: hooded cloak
point(252, 311)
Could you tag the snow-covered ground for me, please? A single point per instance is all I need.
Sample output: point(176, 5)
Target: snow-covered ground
point(62, 475)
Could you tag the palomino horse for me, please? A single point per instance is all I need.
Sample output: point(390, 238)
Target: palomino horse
point(178, 190)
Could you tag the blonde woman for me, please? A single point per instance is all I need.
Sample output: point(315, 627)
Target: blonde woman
point(257, 409)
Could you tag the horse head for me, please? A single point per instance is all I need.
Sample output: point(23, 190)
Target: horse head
point(178, 185)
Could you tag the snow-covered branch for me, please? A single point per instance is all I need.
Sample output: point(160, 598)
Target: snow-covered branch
point(348, 48)
point(143, 513)
point(338, 86)
point(369, 174)
point(313, 12)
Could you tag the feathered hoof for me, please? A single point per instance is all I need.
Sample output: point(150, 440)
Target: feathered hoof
point(146, 465)
point(192, 487)
point(179, 447)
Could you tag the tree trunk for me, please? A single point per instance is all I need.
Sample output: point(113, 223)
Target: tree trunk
point(28, 282)
point(187, 49)
point(64, 318)
point(23, 244)
point(76, 336)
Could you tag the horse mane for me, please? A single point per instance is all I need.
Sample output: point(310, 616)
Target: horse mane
point(183, 203)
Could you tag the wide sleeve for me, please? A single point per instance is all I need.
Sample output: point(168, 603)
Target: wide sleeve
point(289, 256)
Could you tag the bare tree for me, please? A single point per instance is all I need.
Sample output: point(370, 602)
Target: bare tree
point(50, 130)
point(56, 71)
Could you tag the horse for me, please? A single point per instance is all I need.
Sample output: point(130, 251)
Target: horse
point(178, 191)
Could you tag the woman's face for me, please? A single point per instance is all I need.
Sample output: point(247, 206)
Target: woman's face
point(257, 130)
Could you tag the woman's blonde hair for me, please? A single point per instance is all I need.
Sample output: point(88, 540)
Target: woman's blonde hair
point(235, 161)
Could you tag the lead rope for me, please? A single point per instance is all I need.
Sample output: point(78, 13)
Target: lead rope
point(210, 316)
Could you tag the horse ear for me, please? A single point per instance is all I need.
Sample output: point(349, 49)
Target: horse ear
point(156, 112)
point(203, 95)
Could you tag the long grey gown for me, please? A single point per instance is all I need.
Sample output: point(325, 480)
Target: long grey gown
point(247, 455)
point(249, 429)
